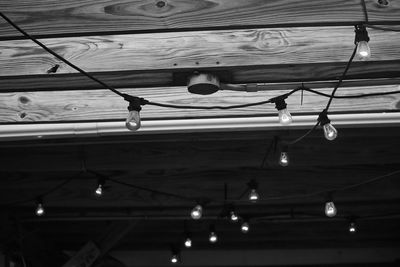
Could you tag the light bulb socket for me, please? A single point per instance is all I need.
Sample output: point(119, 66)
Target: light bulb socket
point(279, 102)
point(135, 103)
point(323, 118)
point(101, 182)
point(252, 184)
point(361, 34)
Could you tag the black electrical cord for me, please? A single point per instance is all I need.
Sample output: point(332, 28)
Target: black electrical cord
point(42, 195)
point(58, 56)
point(341, 78)
point(208, 107)
point(153, 191)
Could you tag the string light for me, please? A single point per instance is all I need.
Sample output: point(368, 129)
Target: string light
point(245, 227)
point(175, 256)
point(233, 216)
point(361, 40)
point(352, 227)
point(284, 115)
point(100, 187)
point(329, 131)
point(284, 157)
point(213, 238)
point(133, 121)
point(39, 207)
point(253, 195)
point(197, 212)
point(188, 242)
point(330, 209)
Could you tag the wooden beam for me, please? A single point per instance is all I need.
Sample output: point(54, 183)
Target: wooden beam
point(287, 76)
point(195, 50)
point(102, 105)
point(83, 17)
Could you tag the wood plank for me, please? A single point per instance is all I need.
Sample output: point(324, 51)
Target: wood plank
point(365, 73)
point(102, 105)
point(195, 50)
point(88, 16)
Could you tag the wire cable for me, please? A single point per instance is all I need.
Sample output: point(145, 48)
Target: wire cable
point(44, 194)
point(47, 49)
point(341, 78)
point(365, 11)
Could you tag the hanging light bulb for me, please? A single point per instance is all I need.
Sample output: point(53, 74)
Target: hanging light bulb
point(352, 227)
point(174, 257)
point(39, 207)
point(284, 158)
point(329, 131)
point(233, 216)
point(188, 242)
point(133, 121)
point(197, 212)
point(330, 209)
point(253, 195)
point(213, 238)
point(99, 189)
point(284, 115)
point(361, 40)
point(245, 227)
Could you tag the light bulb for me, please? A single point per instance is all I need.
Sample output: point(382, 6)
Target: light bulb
point(352, 227)
point(188, 242)
point(174, 258)
point(99, 190)
point(284, 116)
point(253, 196)
point(363, 50)
point(213, 237)
point(197, 212)
point(284, 159)
point(133, 120)
point(330, 209)
point(39, 209)
point(329, 131)
point(245, 227)
point(234, 217)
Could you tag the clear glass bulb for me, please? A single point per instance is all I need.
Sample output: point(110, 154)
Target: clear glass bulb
point(188, 242)
point(284, 116)
point(330, 209)
point(40, 210)
point(197, 212)
point(330, 132)
point(99, 190)
point(352, 227)
point(234, 217)
point(133, 120)
point(253, 196)
point(363, 50)
point(284, 159)
point(213, 237)
point(174, 258)
point(245, 227)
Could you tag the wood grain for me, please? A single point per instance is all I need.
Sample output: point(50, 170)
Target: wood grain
point(204, 49)
point(100, 105)
point(46, 17)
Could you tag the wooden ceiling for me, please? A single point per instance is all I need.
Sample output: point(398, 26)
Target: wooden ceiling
point(148, 48)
